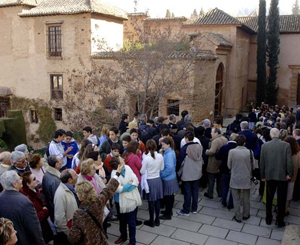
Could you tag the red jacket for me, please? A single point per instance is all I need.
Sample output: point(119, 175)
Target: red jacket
point(42, 213)
point(135, 163)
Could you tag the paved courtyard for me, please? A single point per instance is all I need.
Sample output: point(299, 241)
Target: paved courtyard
point(212, 225)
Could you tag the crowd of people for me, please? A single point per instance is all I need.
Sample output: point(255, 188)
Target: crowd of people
point(71, 194)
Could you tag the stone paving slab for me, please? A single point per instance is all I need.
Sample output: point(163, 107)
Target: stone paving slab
point(257, 230)
point(145, 237)
point(241, 238)
point(183, 224)
point(213, 231)
point(232, 225)
point(266, 241)
point(160, 240)
point(188, 236)
point(218, 241)
point(225, 214)
point(163, 230)
point(277, 235)
point(201, 218)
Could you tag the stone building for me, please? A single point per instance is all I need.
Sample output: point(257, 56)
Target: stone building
point(42, 41)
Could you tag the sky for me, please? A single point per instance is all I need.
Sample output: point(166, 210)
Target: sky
point(158, 8)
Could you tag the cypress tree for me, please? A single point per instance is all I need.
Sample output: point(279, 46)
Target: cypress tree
point(168, 14)
point(296, 9)
point(261, 55)
point(273, 50)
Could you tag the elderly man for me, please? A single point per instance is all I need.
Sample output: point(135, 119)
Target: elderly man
point(18, 162)
point(213, 173)
point(65, 204)
point(17, 207)
point(23, 148)
point(51, 182)
point(4, 164)
point(276, 168)
point(251, 138)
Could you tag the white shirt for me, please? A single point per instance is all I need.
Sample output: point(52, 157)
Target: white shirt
point(195, 140)
point(152, 166)
point(57, 149)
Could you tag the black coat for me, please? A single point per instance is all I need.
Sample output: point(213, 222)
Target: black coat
point(222, 155)
point(16, 207)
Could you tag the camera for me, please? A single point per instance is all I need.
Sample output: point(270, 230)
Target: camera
point(254, 180)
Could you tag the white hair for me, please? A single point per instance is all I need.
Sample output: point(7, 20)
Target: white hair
point(8, 178)
point(244, 125)
point(15, 156)
point(274, 133)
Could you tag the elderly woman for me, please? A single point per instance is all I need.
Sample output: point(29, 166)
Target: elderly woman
point(18, 162)
point(8, 235)
point(88, 170)
point(31, 191)
point(87, 221)
point(240, 162)
point(36, 168)
point(23, 148)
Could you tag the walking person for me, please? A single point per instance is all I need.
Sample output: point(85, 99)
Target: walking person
point(168, 176)
point(240, 162)
point(153, 163)
point(276, 168)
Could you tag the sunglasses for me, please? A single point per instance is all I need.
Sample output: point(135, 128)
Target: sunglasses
point(21, 161)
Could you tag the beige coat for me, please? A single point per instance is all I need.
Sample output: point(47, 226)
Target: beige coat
point(215, 144)
point(65, 206)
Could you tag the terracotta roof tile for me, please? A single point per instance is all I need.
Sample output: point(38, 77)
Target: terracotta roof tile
point(214, 17)
point(202, 54)
point(5, 91)
point(217, 39)
point(57, 7)
point(7, 3)
point(288, 23)
point(170, 18)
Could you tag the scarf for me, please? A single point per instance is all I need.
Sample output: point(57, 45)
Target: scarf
point(93, 181)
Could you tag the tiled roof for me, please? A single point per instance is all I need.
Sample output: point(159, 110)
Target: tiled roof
point(5, 91)
point(202, 54)
point(287, 24)
point(214, 17)
point(218, 39)
point(169, 18)
point(7, 3)
point(57, 7)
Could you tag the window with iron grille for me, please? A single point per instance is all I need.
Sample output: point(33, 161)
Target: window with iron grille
point(57, 114)
point(56, 87)
point(54, 38)
point(33, 116)
point(173, 107)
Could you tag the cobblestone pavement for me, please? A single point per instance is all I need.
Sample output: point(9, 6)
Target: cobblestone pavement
point(212, 225)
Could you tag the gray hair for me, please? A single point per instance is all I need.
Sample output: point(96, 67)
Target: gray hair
point(8, 178)
point(4, 157)
point(52, 160)
point(143, 117)
point(274, 133)
point(206, 123)
point(15, 156)
point(171, 117)
point(188, 118)
point(233, 137)
point(21, 148)
point(244, 125)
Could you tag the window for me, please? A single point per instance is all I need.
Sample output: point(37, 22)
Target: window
point(4, 106)
point(56, 87)
point(54, 35)
point(173, 107)
point(57, 114)
point(33, 116)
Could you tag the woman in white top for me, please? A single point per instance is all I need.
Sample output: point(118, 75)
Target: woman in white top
point(153, 163)
point(36, 168)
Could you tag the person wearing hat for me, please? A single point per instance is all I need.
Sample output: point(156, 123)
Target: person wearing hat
point(18, 162)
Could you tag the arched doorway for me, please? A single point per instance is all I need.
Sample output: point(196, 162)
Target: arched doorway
point(219, 90)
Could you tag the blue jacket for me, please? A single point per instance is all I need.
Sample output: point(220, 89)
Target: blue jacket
point(222, 155)
point(251, 139)
point(75, 149)
point(168, 173)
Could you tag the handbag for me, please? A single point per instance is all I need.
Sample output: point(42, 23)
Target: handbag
point(93, 218)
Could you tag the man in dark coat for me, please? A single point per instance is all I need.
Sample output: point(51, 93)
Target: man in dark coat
point(18, 162)
point(51, 181)
point(16, 207)
point(251, 137)
point(276, 168)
